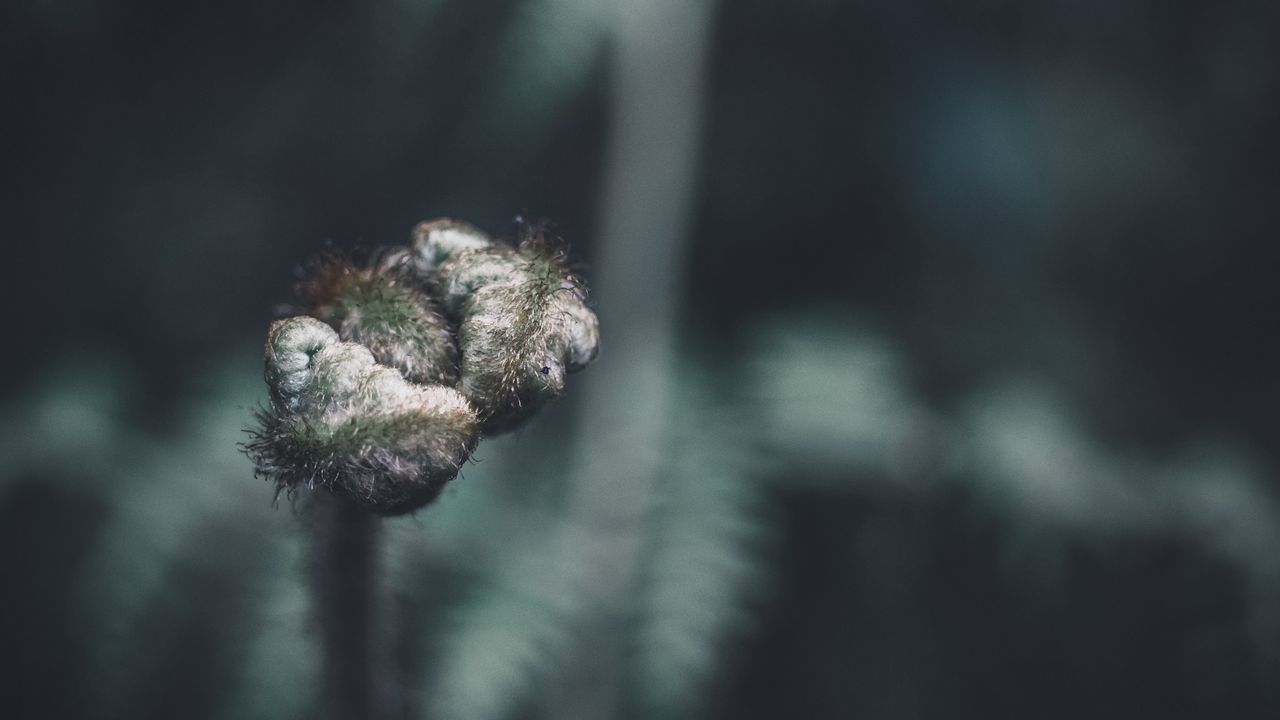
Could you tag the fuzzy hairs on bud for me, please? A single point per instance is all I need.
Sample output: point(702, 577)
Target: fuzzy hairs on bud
point(384, 393)
point(384, 309)
point(523, 322)
point(341, 420)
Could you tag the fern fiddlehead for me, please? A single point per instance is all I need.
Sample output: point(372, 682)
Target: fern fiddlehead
point(381, 393)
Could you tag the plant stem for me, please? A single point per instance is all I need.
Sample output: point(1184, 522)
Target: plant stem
point(345, 573)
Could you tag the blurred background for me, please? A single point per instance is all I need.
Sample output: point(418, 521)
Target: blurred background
point(938, 373)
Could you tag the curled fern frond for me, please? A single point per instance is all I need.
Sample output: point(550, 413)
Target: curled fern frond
point(523, 322)
point(341, 421)
point(382, 309)
point(382, 392)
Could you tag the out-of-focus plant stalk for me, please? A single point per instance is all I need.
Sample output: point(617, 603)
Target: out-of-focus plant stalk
point(659, 49)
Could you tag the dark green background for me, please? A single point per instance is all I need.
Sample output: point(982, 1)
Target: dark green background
point(1085, 193)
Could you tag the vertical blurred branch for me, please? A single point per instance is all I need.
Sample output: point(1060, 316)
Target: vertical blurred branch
point(658, 68)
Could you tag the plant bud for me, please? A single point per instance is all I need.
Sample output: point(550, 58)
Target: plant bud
point(343, 421)
point(523, 323)
point(384, 310)
point(436, 240)
point(290, 347)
